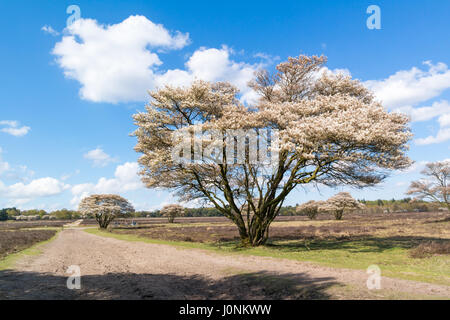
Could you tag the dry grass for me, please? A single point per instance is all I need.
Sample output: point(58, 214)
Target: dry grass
point(429, 248)
point(17, 240)
point(415, 227)
point(15, 225)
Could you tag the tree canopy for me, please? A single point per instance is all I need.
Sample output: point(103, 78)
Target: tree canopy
point(330, 130)
point(171, 211)
point(343, 201)
point(105, 207)
point(435, 185)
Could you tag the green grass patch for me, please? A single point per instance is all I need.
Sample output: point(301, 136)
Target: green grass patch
point(391, 255)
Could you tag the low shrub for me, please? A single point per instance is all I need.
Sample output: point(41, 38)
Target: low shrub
point(430, 248)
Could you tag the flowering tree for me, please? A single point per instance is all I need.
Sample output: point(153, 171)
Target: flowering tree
point(435, 186)
point(310, 208)
point(330, 130)
point(343, 201)
point(171, 211)
point(105, 207)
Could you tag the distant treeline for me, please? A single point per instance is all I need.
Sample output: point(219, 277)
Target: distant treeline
point(402, 205)
point(372, 206)
point(16, 214)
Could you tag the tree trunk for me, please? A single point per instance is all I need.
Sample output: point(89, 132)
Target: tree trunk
point(254, 231)
point(257, 232)
point(259, 235)
point(338, 214)
point(104, 220)
point(243, 233)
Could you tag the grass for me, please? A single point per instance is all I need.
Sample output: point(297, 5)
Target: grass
point(390, 254)
point(393, 261)
point(10, 260)
point(347, 291)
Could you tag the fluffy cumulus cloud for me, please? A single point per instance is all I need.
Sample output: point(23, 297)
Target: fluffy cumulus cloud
point(442, 136)
point(43, 187)
point(405, 90)
point(27, 189)
point(410, 87)
point(13, 128)
point(125, 179)
point(114, 63)
point(426, 113)
point(337, 71)
point(121, 62)
point(213, 65)
point(21, 193)
point(99, 157)
point(444, 120)
point(443, 133)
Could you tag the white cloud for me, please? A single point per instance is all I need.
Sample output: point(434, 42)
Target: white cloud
point(441, 109)
point(125, 179)
point(23, 192)
point(12, 127)
point(4, 166)
point(405, 89)
point(43, 187)
point(214, 65)
point(410, 87)
point(14, 172)
point(444, 120)
point(99, 157)
point(442, 136)
point(9, 123)
point(48, 29)
point(341, 71)
point(18, 132)
point(414, 168)
point(117, 63)
point(426, 113)
point(114, 63)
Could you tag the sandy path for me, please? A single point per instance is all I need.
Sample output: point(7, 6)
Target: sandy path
point(73, 224)
point(115, 269)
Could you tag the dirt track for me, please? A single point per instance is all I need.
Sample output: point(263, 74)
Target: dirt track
point(115, 269)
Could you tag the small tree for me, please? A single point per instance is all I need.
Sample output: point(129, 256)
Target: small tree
point(435, 186)
point(3, 215)
point(171, 211)
point(105, 207)
point(310, 208)
point(343, 201)
point(12, 213)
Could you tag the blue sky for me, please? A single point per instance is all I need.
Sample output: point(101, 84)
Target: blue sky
point(68, 94)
